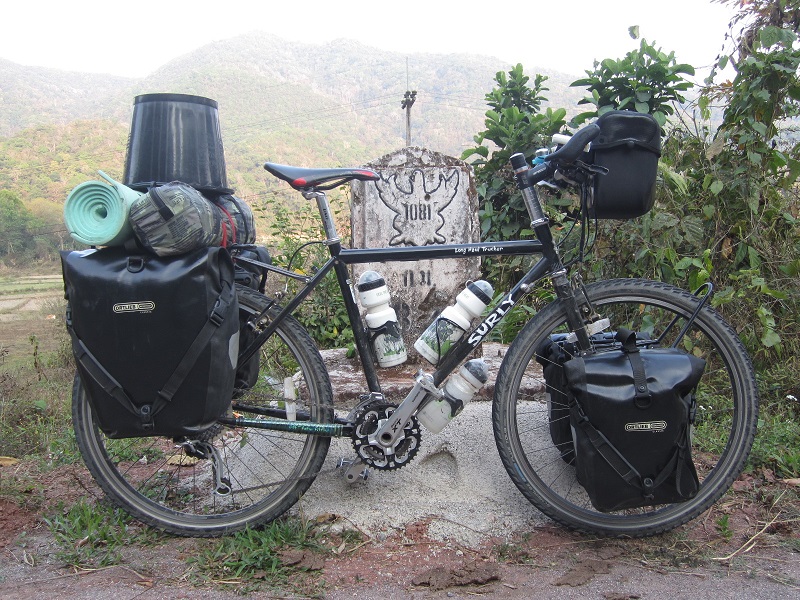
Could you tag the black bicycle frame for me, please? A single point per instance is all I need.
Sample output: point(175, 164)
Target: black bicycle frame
point(342, 257)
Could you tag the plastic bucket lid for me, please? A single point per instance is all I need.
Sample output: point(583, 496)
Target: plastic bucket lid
point(175, 137)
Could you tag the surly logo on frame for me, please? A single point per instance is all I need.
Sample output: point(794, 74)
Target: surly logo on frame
point(490, 321)
point(130, 307)
point(653, 426)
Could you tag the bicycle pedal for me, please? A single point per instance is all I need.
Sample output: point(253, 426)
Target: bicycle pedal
point(355, 470)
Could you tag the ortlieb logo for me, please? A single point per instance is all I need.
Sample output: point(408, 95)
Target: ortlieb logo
point(129, 307)
point(654, 426)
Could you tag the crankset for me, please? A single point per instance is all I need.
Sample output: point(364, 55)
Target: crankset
point(367, 420)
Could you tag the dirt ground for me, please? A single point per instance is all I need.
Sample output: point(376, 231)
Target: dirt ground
point(760, 559)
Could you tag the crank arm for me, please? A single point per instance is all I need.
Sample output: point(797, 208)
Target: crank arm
point(391, 431)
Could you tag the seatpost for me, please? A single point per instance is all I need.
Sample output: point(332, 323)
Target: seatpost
point(331, 235)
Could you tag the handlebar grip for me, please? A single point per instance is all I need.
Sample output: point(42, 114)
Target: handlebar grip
point(570, 151)
point(518, 162)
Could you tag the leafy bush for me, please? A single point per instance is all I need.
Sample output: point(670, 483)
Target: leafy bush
point(645, 80)
point(296, 242)
point(514, 123)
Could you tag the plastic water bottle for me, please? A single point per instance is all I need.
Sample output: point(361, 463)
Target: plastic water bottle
point(459, 389)
point(446, 329)
point(387, 342)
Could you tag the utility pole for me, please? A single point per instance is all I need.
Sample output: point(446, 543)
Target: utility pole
point(407, 103)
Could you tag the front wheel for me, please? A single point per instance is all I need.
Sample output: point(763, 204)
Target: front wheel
point(229, 477)
point(723, 430)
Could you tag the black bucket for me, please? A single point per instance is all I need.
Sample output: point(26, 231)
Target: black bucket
point(175, 137)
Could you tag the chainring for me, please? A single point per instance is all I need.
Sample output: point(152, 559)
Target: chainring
point(368, 419)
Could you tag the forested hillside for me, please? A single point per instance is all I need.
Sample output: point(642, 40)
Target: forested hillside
point(326, 105)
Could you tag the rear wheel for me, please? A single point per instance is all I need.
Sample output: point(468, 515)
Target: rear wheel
point(229, 477)
point(722, 434)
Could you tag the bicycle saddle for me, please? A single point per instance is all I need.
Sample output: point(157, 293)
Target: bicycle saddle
point(301, 178)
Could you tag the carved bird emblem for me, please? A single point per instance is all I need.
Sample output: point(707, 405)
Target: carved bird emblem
point(418, 202)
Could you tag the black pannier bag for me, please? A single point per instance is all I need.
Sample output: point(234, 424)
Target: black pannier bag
point(629, 146)
point(552, 354)
point(631, 413)
point(155, 340)
point(249, 273)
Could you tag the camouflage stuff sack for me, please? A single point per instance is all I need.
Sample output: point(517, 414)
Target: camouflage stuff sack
point(175, 219)
point(238, 220)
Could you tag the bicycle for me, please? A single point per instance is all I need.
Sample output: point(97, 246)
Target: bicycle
point(260, 458)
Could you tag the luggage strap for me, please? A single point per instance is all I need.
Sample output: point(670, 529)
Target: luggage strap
point(112, 387)
point(102, 377)
point(627, 338)
point(215, 319)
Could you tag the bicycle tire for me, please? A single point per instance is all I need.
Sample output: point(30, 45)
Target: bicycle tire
point(267, 471)
point(721, 438)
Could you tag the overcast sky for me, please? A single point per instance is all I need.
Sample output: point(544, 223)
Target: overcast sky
point(134, 38)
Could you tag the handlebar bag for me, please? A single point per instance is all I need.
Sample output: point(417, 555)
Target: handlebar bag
point(631, 411)
point(629, 146)
point(551, 355)
point(155, 340)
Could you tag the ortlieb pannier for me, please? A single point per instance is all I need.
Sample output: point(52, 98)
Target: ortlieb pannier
point(631, 413)
point(552, 354)
point(629, 146)
point(155, 340)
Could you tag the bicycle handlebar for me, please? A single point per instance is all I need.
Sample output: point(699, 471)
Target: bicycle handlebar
point(569, 152)
point(566, 155)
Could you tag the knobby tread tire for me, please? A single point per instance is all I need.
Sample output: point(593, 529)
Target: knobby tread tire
point(115, 471)
point(521, 427)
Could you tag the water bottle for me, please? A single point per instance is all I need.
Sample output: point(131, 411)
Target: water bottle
point(459, 389)
point(384, 333)
point(453, 321)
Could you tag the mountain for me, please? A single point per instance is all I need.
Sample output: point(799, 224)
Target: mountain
point(314, 105)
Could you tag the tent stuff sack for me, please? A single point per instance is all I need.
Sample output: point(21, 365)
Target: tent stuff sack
point(629, 146)
point(240, 226)
point(96, 213)
point(176, 218)
point(155, 340)
point(631, 412)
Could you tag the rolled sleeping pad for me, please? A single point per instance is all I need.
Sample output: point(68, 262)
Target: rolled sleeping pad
point(96, 213)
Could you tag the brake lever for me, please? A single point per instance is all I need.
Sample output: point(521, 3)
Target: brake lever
point(593, 169)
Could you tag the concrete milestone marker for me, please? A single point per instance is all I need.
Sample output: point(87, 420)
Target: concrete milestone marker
point(423, 198)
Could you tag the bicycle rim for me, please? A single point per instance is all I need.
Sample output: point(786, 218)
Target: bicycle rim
point(250, 477)
point(721, 437)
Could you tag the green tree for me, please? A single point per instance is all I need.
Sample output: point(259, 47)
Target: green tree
point(514, 123)
point(752, 173)
point(15, 223)
point(646, 80)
